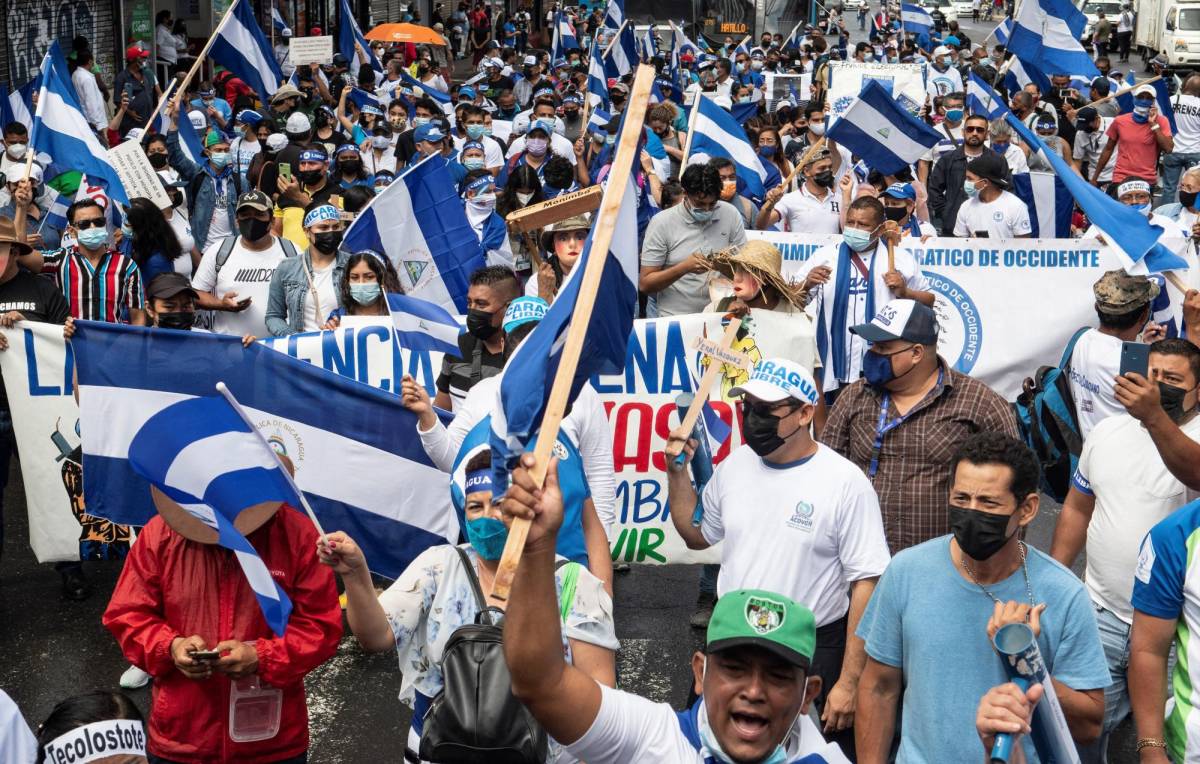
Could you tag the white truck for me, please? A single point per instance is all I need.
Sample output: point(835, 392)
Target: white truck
point(1170, 27)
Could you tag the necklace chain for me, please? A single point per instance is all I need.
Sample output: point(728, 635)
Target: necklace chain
point(1024, 570)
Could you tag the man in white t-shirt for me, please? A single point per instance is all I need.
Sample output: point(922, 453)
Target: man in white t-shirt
point(814, 208)
point(1120, 490)
point(990, 210)
point(1123, 305)
point(753, 674)
point(796, 518)
point(1186, 151)
point(1091, 136)
point(234, 275)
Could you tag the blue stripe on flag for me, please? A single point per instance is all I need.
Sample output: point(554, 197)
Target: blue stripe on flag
point(421, 325)
point(349, 33)
point(718, 134)
point(882, 132)
point(243, 49)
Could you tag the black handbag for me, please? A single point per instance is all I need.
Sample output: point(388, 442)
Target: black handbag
point(475, 719)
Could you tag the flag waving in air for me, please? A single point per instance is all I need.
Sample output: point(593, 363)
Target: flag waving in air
point(880, 131)
point(349, 35)
point(1046, 34)
point(242, 48)
point(983, 99)
point(717, 134)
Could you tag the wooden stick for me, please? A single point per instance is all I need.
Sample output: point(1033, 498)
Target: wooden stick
point(674, 448)
point(559, 208)
point(1176, 281)
point(158, 109)
point(1123, 91)
point(183, 86)
point(602, 235)
point(891, 255)
point(616, 37)
point(803, 161)
point(691, 130)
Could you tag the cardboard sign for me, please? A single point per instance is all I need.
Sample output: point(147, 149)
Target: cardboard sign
point(136, 174)
point(713, 349)
point(310, 50)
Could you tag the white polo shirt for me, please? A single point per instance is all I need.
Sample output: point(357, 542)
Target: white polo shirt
point(1006, 217)
point(806, 530)
point(802, 212)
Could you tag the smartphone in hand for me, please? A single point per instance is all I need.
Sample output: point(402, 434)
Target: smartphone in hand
point(1135, 357)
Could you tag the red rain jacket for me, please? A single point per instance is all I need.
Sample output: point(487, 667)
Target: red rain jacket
point(172, 587)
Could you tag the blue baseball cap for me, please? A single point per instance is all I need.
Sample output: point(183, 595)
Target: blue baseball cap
point(541, 124)
point(466, 91)
point(430, 132)
point(901, 191)
point(901, 320)
point(249, 117)
point(777, 379)
point(524, 310)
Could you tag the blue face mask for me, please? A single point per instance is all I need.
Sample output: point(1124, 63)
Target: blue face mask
point(365, 294)
point(970, 189)
point(1141, 111)
point(92, 238)
point(219, 159)
point(999, 148)
point(954, 115)
point(767, 151)
point(488, 536)
point(700, 216)
point(877, 369)
point(856, 239)
point(475, 132)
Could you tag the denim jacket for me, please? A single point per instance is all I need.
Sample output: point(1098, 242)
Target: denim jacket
point(206, 195)
point(289, 293)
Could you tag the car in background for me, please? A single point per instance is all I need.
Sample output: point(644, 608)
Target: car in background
point(1090, 9)
point(962, 8)
point(942, 12)
point(853, 5)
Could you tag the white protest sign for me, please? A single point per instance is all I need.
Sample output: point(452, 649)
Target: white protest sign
point(310, 50)
point(906, 83)
point(136, 174)
point(779, 87)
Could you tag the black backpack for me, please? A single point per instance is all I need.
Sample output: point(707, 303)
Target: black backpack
point(475, 719)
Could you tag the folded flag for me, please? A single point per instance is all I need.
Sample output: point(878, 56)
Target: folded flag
point(1049, 202)
point(983, 99)
point(204, 457)
point(350, 36)
point(881, 131)
point(361, 98)
point(242, 48)
point(1132, 237)
point(1046, 34)
point(420, 224)
point(717, 134)
point(330, 426)
point(421, 325)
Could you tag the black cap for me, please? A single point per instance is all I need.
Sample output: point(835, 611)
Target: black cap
point(1084, 117)
point(340, 60)
point(169, 284)
point(990, 166)
point(1101, 85)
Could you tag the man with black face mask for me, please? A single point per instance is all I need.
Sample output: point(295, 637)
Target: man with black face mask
point(1120, 490)
point(903, 420)
point(171, 304)
point(481, 347)
point(929, 626)
point(796, 518)
point(814, 208)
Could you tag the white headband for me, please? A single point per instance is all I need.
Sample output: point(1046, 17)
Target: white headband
point(1132, 185)
point(97, 740)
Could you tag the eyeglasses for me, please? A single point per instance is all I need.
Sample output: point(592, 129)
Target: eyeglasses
point(974, 129)
point(83, 225)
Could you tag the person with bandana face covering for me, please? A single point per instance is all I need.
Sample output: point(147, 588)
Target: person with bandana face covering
point(1138, 138)
point(796, 518)
point(304, 290)
point(1120, 489)
point(929, 627)
point(419, 613)
point(903, 420)
point(479, 196)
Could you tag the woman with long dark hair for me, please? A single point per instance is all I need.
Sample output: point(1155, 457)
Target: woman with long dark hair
point(151, 241)
point(364, 290)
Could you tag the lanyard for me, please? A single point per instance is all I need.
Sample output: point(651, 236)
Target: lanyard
point(884, 426)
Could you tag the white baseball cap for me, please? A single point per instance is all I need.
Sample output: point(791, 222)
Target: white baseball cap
point(198, 119)
point(941, 50)
point(776, 379)
point(1145, 90)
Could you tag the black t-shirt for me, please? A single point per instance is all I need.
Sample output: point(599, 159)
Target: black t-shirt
point(493, 87)
point(459, 375)
point(406, 148)
point(36, 299)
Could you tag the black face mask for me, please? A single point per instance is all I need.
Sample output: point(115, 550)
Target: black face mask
point(310, 177)
point(182, 320)
point(1187, 198)
point(253, 229)
point(895, 213)
point(350, 166)
point(979, 534)
point(176, 198)
point(824, 179)
point(328, 241)
point(159, 161)
point(1172, 400)
point(479, 324)
point(761, 431)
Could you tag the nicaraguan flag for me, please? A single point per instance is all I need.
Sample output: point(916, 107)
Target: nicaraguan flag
point(795, 37)
point(598, 120)
point(915, 19)
point(597, 81)
point(429, 90)
point(349, 34)
point(1046, 34)
point(204, 457)
point(6, 110)
point(328, 425)
point(624, 54)
point(421, 325)
point(1021, 73)
point(983, 99)
point(1003, 31)
point(717, 429)
point(189, 140)
point(60, 130)
point(420, 224)
point(880, 131)
point(56, 212)
point(361, 98)
point(718, 134)
point(648, 47)
point(1049, 202)
point(1162, 99)
point(1130, 234)
point(277, 21)
point(529, 374)
point(564, 37)
point(242, 48)
point(683, 43)
point(742, 47)
point(17, 106)
point(614, 15)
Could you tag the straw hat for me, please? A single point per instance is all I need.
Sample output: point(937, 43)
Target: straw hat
point(8, 235)
point(574, 223)
point(763, 260)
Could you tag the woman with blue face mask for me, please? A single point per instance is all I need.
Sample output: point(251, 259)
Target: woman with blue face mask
point(364, 289)
point(418, 614)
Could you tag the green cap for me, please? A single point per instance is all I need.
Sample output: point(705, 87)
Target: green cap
point(213, 138)
point(763, 619)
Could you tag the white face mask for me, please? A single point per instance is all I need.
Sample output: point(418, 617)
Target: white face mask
point(524, 198)
point(17, 150)
point(817, 128)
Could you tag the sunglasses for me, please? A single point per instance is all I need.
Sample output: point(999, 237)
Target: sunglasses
point(974, 129)
point(83, 225)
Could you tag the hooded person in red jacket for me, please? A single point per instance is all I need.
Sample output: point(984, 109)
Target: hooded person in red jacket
point(180, 594)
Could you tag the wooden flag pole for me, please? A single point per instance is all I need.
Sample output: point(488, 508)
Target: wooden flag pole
point(1123, 91)
point(674, 447)
point(158, 110)
point(691, 130)
point(560, 392)
point(1176, 282)
point(803, 161)
point(616, 37)
point(183, 86)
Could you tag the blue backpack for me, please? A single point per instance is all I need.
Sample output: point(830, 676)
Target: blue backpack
point(1048, 423)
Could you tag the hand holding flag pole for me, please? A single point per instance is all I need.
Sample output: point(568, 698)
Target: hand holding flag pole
point(675, 447)
point(602, 235)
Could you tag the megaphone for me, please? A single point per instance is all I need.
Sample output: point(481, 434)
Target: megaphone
point(1022, 659)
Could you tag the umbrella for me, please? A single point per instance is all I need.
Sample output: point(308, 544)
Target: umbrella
point(413, 33)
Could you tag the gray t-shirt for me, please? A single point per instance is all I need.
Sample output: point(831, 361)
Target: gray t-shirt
point(673, 236)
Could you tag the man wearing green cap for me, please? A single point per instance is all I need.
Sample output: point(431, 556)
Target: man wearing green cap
point(213, 186)
point(752, 676)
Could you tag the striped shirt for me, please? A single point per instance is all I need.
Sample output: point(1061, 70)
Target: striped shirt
point(106, 292)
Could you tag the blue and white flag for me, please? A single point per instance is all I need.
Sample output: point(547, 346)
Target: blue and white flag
point(56, 211)
point(983, 99)
point(17, 105)
point(420, 224)
point(597, 81)
point(1046, 34)
point(1003, 31)
point(1049, 202)
point(361, 98)
point(647, 47)
point(624, 54)
point(1021, 73)
point(277, 21)
point(881, 131)
point(614, 14)
point(915, 19)
point(349, 34)
point(717, 429)
point(330, 427)
point(598, 121)
point(421, 325)
point(189, 140)
point(718, 134)
point(1132, 237)
point(241, 47)
point(1162, 99)
point(205, 458)
point(684, 44)
point(742, 47)
point(795, 38)
point(429, 90)
point(529, 374)
point(6, 110)
point(62, 133)
point(564, 38)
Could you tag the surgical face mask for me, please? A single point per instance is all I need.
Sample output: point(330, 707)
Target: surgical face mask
point(219, 159)
point(1000, 148)
point(182, 320)
point(761, 429)
point(610, 139)
point(1172, 400)
point(744, 99)
point(1187, 198)
point(756, 65)
point(878, 369)
point(253, 229)
point(824, 179)
point(728, 189)
point(979, 534)
point(767, 151)
point(710, 744)
point(954, 115)
point(487, 536)
point(479, 324)
point(92, 238)
point(700, 216)
point(970, 189)
point(418, 121)
point(380, 142)
point(157, 161)
point(475, 132)
point(126, 231)
point(328, 241)
point(537, 146)
point(365, 294)
point(523, 197)
point(857, 239)
point(473, 163)
point(816, 128)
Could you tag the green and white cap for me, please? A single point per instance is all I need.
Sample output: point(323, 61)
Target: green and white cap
point(763, 619)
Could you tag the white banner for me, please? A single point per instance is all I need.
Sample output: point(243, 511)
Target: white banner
point(906, 83)
point(310, 50)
